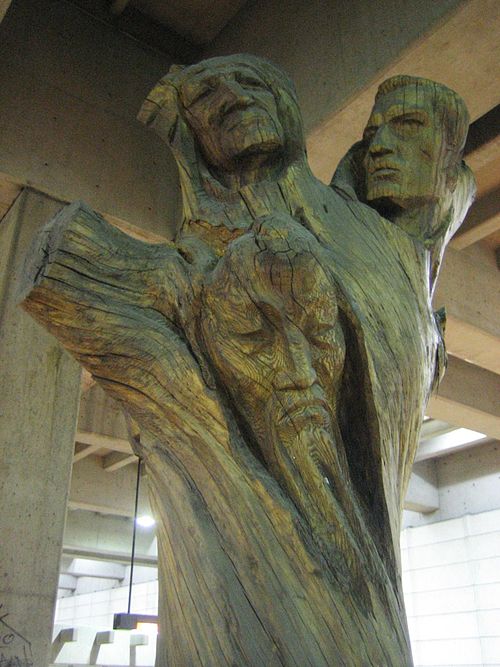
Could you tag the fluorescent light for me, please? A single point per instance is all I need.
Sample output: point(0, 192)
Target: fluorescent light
point(145, 521)
point(462, 436)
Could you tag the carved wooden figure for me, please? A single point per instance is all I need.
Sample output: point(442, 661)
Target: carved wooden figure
point(277, 357)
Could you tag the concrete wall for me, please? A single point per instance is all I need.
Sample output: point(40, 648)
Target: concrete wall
point(451, 564)
point(93, 612)
point(70, 90)
point(468, 482)
point(39, 392)
point(108, 533)
point(330, 48)
point(451, 580)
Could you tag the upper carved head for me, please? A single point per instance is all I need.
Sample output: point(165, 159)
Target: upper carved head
point(231, 113)
point(409, 165)
point(414, 142)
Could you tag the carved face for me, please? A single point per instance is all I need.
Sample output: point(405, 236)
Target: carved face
point(232, 113)
point(405, 161)
point(271, 325)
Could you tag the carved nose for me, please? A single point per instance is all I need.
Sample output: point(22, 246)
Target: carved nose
point(232, 90)
point(381, 143)
point(378, 150)
point(296, 371)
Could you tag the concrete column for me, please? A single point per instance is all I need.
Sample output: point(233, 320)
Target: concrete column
point(39, 393)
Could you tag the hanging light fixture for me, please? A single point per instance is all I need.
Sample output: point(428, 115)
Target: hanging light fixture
point(129, 621)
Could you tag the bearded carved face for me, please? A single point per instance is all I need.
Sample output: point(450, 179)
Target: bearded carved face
point(232, 113)
point(270, 322)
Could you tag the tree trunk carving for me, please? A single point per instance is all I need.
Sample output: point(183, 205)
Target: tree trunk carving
point(277, 357)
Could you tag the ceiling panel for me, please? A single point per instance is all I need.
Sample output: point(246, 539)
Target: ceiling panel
point(198, 20)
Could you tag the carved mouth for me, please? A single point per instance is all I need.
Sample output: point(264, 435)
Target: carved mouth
point(383, 169)
point(304, 409)
point(240, 112)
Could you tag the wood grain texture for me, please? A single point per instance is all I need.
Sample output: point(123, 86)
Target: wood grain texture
point(277, 358)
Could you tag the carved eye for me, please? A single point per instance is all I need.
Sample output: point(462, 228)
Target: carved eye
point(198, 94)
point(248, 81)
point(248, 335)
point(253, 342)
point(410, 123)
point(248, 327)
point(369, 133)
point(322, 336)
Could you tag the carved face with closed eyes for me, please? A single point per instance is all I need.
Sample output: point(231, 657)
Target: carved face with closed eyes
point(232, 111)
point(270, 325)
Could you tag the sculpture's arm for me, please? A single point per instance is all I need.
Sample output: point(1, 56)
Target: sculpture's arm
point(115, 303)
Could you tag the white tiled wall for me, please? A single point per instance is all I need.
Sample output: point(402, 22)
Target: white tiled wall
point(97, 609)
point(451, 579)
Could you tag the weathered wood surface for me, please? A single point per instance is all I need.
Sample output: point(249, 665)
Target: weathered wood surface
point(278, 358)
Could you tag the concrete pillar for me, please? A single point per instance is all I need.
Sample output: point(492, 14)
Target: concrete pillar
point(39, 393)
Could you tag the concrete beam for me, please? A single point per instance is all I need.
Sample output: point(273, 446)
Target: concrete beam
point(4, 6)
point(65, 636)
point(100, 441)
point(108, 556)
point(468, 481)
point(9, 192)
point(423, 495)
point(99, 413)
point(82, 451)
point(461, 52)
point(87, 567)
point(487, 176)
point(469, 287)
point(482, 220)
point(447, 443)
point(116, 460)
point(468, 397)
point(483, 140)
point(100, 639)
point(67, 582)
point(96, 538)
point(432, 428)
point(93, 489)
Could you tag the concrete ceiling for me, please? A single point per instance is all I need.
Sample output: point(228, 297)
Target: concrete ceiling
point(197, 20)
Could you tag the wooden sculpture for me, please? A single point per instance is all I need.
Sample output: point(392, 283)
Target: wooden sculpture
point(277, 357)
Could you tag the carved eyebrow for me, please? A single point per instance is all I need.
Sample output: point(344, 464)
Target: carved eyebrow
point(196, 87)
point(400, 111)
point(372, 125)
point(245, 76)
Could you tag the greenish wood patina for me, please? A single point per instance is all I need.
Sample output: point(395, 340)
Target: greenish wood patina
point(278, 357)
